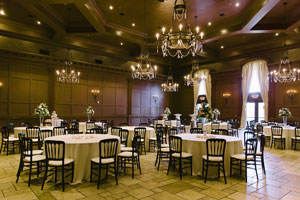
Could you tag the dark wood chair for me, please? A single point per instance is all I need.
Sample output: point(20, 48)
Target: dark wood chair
point(90, 125)
point(116, 131)
point(60, 130)
point(141, 131)
point(107, 156)
point(71, 131)
point(98, 130)
point(260, 158)
point(215, 152)
point(43, 135)
point(7, 142)
point(184, 159)
point(277, 136)
point(57, 162)
point(196, 131)
point(162, 153)
point(222, 132)
point(214, 126)
point(296, 138)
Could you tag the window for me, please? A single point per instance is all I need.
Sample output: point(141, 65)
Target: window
point(254, 83)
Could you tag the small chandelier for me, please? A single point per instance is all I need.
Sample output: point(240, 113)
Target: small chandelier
point(285, 73)
point(170, 86)
point(144, 69)
point(183, 42)
point(68, 74)
point(193, 77)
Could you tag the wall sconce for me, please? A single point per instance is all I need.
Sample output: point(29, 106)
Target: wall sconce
point(291, 93)
point(226, 96)
point(95, 94)
point(155, 97)
point(1, 84)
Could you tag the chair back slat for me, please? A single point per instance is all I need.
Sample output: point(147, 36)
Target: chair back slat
point(55, 150)
point(173, 131)
point(5, 132)
point(248, 135)
point(175, 144)
point(45, 134)
point(116, 131)
point(141, 131)
point(108, 148)
point(276, 131)
point(215, 125)
point(32, 132)
point(222, 132)
point(215, 147)
point(297, 132)
point(136, 144)
point(90, 125)
point(71, 131)
point(60, 130)
point(98, 130)
point(124, 136)
point(196, 131)
point(250, 147)
point(75, 124)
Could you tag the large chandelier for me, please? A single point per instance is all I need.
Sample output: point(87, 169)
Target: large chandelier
point(180, 43)
point(68, 74)
point(285, 73)
point(193, 77)
point(144, 69)
point(170, 86)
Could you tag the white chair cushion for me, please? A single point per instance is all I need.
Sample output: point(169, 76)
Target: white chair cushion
point(241, 157)
point(213, 158)
point(59, 163)
point(183, 155)
point(152, 138)
point(165, 150)
point(127, 154)
point(296, 138)
point(278, 137)
point(259, 153)
point(35, 158)
point(165, 145)
point(11, 139)
point(126, 149)
point(35, 140)
point(103, 161)
point(34, 152)
point(122, 145)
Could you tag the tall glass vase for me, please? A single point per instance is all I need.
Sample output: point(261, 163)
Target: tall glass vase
point(284, 118)
point(41, 121)
point(216, 117)
point(89, 117)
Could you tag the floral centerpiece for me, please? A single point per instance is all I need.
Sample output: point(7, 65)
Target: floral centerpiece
point(284, 113)
point(216, 113)
point(89, 112)
point(204, 112)
point(167, 112)
point(41, 111)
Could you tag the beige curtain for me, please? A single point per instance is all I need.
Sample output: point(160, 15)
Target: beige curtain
point(246, 78)
point(262, 70)
point(206, 74)
point(259, 67)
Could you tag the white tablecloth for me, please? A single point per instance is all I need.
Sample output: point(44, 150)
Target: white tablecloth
point(18, 130)
point(150, 132)
point(197, 147)
point(207, 126)
point(82, 148)
point(82, 126)
point(288, 132)
point(164, 123)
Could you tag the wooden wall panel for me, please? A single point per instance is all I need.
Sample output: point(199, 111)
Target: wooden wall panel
point(19, 109)
point(4, 89)
point(62, 93)
point(19, 90)
point(109, 96)
point(79, 94)
point(39, 91)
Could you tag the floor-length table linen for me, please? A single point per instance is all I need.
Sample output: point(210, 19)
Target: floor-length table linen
point(150, 132)
point(196, 145)
point(82, 148)
point(288, 132)
point(18, 130)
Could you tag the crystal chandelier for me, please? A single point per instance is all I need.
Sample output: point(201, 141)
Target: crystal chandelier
point(144, 69)
point(67, 74)
point(170, 86)
point(285, 73)
point(180, 43)
point(193, 77)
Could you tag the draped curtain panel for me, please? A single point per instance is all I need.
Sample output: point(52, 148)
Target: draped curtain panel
point(201, 73)
point(259, 66)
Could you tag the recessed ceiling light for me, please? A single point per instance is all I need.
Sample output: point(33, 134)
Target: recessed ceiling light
point(209, 23)
point(2, 12)
point(224, 31)
point(119, 32)
point(222, 47)
point(133, 24)
point(121, 43)
point(111, 7)
point(237, 4)
point(39, 22)
point(221, 14)
point(122, 14)
point(276, 34)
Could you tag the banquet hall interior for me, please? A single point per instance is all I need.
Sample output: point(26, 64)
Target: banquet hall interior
point(150, 99)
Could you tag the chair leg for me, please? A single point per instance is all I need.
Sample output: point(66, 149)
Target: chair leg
point(169, 164)
point(263, 164)
point(91, 174)
point(246, 170)
point(206, 171)
point(202, 167)
point(132, 168)
point(45, 177)
point(30, 171)
point(159, 159)
point(271, 140)
point(21, 165)
point(139, 165)
point(99, 175)
point(156, 159)
point(230, 167)
point(106, 172)
point(72, 178)
point(1, 147)
point(223, 166)
point(63, 178)
point(180, 168)
point(7, 145)
point(255, 169)
point(116, 173)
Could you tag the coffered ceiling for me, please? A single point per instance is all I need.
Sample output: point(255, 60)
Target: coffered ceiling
point(237, 27)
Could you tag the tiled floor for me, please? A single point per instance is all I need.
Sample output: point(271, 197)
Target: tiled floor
point(282, 182)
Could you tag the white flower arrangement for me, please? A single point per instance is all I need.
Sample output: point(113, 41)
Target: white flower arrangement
point(89, 111)
point(216, 111)
point(41, 110)
point(167, 111)
point(284, 112)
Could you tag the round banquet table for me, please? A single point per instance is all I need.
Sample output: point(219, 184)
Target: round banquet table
point(150, 132)
point(18, 130)
point(82, 148)
point(82, 126)
point(164, 122)
point(207, 126)
point(196, 145)
point(288, 132)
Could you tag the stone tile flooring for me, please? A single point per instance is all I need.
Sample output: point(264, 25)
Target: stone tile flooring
point(282, 182)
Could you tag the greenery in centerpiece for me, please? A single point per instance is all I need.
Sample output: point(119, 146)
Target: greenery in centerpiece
point(41, 110)
point(216, 111)
point(167, 111)
point(89, 111)
point(205, 111)
point(284, 112)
